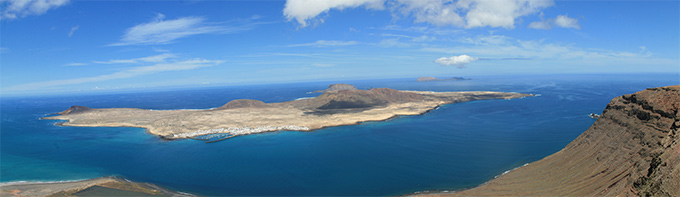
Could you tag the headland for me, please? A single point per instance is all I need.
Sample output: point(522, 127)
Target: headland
point(631, 150)
point(104, 186)
point(340, 104)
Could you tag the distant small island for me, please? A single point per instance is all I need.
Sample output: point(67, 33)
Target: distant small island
point(340, 104)
point(421, 79)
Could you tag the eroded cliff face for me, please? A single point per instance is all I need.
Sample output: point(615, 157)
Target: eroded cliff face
point(631, 150)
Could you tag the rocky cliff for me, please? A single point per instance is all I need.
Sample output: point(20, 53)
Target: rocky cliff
point(631, 150)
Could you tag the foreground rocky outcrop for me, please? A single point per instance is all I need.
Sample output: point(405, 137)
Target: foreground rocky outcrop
point(104, 186)
point(631, 150)
point(339, 105)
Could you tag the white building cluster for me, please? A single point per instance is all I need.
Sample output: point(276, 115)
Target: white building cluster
point(234, 131)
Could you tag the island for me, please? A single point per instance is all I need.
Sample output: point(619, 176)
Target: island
point(423, 79)
point(340, 104)
point(631, 150)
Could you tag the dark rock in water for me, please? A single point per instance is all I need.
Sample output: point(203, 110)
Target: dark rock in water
point(243, 103)
point(631, 150)
point(74, 110)
point(338, 87)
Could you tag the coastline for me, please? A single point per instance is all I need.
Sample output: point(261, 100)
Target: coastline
point(449, 192)
point(245, 117)
point(64, 122)
point(110, 185)
point(630, 150)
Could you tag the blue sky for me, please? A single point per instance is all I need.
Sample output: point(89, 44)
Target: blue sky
point(63, 46)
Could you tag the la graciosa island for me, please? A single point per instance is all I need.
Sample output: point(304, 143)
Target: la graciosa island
point(340, 104)
point(339, 98)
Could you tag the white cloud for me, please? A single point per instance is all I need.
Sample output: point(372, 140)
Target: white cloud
point(4, 50)
point(461, 13)
point(566, 22)
point(326, 43)
point(458, 61)
point(14, 9)
point(73, 30)
point(128, 73)
point(304, 11)
point(160, 31)
point(500, 13)
point(151, 59)
point(560, 21)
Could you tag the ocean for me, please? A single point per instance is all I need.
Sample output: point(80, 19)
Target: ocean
point(454, 147)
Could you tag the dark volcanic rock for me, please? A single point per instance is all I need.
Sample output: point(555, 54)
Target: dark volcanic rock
point(243, 103)
point(632, 149)
point(74, 110)
point(364, 98)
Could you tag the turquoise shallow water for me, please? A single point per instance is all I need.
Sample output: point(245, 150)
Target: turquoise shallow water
point(456, 146)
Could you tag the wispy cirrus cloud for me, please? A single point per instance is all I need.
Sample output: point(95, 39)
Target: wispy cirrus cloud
point(160, 31)
point(73, 30)
point(14, 9)
point(325, 43)
point(76, 64)
point(153, 59)
point(157, 64)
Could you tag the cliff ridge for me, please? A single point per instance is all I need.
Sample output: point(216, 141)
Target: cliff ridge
point(631, 150)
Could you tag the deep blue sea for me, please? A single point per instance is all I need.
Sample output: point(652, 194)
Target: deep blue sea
point(456, 146)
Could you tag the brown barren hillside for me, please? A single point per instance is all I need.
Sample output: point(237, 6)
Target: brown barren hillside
point(631, 150)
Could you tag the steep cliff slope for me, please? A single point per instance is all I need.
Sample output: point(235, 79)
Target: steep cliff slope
point(632, 149)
